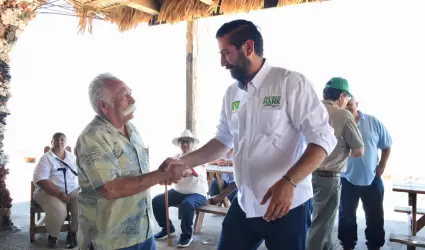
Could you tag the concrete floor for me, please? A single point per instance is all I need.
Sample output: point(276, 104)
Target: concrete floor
point(207, 240)
point(19, 186)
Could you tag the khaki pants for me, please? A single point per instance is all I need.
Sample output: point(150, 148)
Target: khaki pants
point(56, 212)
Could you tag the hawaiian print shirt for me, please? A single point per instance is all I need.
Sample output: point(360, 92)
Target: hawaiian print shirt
point(104, 154)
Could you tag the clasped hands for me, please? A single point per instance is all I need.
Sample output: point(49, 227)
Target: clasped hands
point(174, 170)
point(65, 198)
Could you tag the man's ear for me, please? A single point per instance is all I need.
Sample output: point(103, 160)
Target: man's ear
point(249, 47)
point(102, 106)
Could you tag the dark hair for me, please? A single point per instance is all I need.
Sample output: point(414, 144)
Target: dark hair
point(57, 135)
point(241, 31)
point(332, 94)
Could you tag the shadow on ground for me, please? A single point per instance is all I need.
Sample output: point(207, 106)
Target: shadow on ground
point(206, 240)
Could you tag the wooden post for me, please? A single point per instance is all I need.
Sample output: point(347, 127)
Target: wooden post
point(191, 79)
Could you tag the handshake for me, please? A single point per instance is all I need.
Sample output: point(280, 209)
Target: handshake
point(173, 170)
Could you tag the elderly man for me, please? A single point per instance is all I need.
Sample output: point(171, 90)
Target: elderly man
point(362, 181)
point(115, 204)
point(280, 133)
point(189, 193)
point(326, 179)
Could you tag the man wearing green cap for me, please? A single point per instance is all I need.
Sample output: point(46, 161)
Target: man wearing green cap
point(326, 179)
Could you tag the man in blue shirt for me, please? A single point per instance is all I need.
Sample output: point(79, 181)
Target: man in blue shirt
point(228, 179)
point(362, 180)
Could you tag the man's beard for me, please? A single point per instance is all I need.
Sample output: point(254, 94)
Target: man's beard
point(240, 71)
point(130, 109)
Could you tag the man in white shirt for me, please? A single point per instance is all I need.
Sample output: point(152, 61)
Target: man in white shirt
point(50, 191)
point(189, 193)
point(279, 131)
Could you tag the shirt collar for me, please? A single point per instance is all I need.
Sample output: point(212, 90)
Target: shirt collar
point(259, 77)
point(361, 115)
point(52, 154)
point(110, 127)
point(329, 102)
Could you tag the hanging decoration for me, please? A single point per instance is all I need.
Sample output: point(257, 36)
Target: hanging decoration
point(14, 17)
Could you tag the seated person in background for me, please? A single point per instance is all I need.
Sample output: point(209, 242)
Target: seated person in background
point(189, 193)
point(229, 188)
point(50, 190)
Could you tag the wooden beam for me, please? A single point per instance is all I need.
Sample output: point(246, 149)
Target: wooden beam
point(267, 4)
point(148, 6)
point(191, 79)
point(207, 2)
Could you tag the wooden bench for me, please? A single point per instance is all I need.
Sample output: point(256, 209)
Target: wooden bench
point(408, 210)
point(210, 209)
point(37, 224)
point(410, 241)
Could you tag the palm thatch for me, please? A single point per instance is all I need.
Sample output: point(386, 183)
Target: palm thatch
point(127, 14)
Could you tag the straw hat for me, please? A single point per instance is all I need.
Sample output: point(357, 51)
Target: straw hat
point(185, 134)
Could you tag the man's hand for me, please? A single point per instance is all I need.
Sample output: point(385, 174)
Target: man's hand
point(280, 195)
point(187, 173)
point(215, 200)
point(164, 165)
point(174, 169)
point(380, 170)
point(63, 197)
point(221, 162)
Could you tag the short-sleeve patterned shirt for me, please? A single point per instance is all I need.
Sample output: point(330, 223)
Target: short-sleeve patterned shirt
point(104, 154)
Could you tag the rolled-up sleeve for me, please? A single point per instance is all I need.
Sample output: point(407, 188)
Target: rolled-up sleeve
point(42, 170)
point(96, 159)
point(309, 115)
point(223, 134)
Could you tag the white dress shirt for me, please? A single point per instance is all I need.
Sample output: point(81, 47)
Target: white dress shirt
point(193, 184)
point(47, 169)
point(269, 124)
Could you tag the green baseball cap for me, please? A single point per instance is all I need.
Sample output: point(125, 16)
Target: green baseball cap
point(339, 83)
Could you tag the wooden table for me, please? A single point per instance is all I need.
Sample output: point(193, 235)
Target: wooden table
point(217, 171)
point(413, 189)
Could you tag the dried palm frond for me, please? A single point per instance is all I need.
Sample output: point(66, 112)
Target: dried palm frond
point(173, 11)
point(113, 11)
point(88, 10)
point(127, 18)
point(234, 6)
point(292, 2)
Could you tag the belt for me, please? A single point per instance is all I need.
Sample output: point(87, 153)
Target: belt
point(323, 173)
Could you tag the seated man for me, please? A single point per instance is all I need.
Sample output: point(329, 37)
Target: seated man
point(229, 188)
point(50, 191)
point(189, 193)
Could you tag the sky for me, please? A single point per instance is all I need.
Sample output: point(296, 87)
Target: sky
point(377, 45)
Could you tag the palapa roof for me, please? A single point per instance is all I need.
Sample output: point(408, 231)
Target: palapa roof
point(127, 14)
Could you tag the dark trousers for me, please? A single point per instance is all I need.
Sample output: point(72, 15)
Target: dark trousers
point(372, 197)
point(288, 232)
point(187, 203)
point(149, 244)
point(214, 190)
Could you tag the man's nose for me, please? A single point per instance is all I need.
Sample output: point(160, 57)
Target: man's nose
point(132, 100)
point(223, 61)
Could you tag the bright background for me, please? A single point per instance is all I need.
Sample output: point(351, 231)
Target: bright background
point(378, 45)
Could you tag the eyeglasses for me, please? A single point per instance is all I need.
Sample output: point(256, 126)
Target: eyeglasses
point(185, 141)
point(347, 95)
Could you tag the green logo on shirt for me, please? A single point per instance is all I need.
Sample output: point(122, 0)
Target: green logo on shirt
point(271, 102)
point(235, 106)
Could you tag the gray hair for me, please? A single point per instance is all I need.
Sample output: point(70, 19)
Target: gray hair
point(97, 91)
